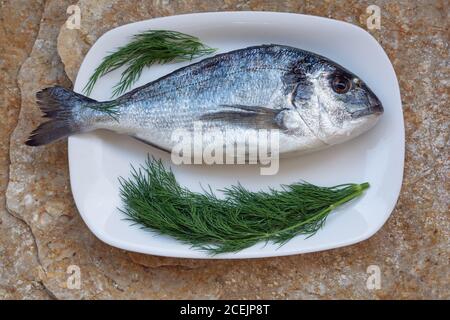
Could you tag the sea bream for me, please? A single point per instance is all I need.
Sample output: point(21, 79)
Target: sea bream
point(312, 102)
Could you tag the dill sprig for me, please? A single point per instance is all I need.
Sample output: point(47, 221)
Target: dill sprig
point(145, 49)
point(153, 198)
point(110, 108)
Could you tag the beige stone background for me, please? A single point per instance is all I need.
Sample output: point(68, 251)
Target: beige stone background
point(41, 232)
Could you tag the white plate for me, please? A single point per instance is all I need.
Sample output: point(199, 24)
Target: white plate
point(98, 159)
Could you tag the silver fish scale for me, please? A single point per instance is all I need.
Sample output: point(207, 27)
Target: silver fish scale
point(232, 98)
point(250, 77)
point(266, 77)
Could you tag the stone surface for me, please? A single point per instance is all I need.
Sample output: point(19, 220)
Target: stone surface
point(411, 250)
point(18, 256)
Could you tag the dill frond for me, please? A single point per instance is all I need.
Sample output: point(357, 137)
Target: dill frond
point(153, 198)
point(110, 108)
point(145, 49)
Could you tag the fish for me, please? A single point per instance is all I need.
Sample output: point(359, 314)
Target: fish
point(311, 101)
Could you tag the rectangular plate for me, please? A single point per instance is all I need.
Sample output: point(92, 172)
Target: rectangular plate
point(97, 159)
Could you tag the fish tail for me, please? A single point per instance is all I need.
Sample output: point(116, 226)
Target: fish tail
point(58, 104)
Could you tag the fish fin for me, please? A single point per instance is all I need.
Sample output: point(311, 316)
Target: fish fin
point(253, 116)
point(150, 144)
point(56, 103)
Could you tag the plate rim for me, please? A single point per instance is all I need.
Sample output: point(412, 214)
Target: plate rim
point(192, 253)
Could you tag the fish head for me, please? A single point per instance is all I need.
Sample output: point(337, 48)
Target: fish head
point(340, 105)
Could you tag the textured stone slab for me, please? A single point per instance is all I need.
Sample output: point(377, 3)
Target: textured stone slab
point(411, 250)
point(19, 265)
point(103, 15)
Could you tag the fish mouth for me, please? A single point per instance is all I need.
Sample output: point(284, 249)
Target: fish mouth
point(376, 109)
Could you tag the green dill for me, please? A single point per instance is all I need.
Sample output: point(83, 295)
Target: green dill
point(145, 49)
point(153, 198)
point(110, 108)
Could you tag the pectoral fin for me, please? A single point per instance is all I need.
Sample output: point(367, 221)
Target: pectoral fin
point(150, 144)
point(255, 117)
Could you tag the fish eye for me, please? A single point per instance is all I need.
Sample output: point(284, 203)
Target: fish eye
point(341, 84)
